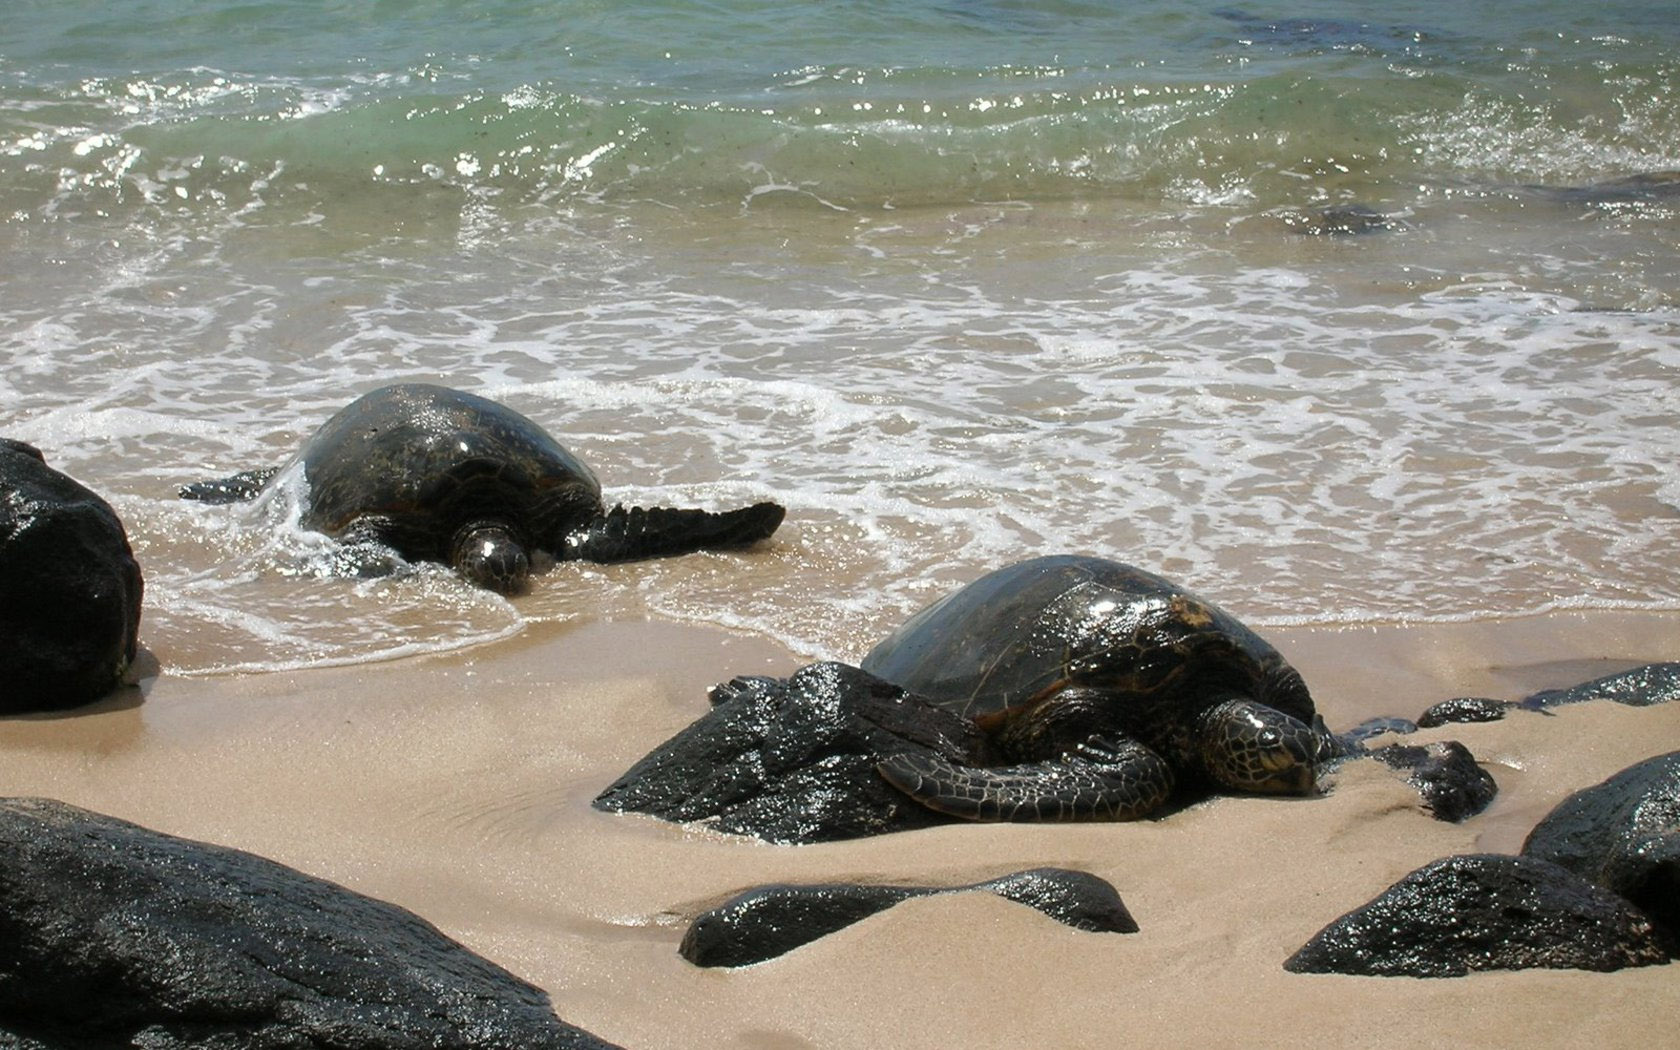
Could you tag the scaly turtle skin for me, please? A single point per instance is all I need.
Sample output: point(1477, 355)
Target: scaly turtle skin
point(441, 475)
point(1097, 685)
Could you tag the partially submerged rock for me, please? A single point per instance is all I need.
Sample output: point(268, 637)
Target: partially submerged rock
point(1639, 687)
point(769, 921)
point(69, 588)
point(1484, 912)
point(1644, 186)
point(1624, 835)
point(1450, 784)
point(1341, 220)
point(1352, 742)
point(113, 935)
point(1464, 709)
point(794, 760)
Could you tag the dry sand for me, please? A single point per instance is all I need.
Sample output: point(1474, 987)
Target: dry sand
point(459, 786)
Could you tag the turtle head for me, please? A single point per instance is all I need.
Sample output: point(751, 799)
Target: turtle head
point(1248, 746)
point(489, 555)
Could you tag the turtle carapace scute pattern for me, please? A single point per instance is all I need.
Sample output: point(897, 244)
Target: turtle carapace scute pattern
point(441, 475)
point(1098, 687)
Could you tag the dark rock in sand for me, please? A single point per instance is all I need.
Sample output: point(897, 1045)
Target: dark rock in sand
point(1484, 912)
point(69, 588)
point(1353, 740)
point(1450, 783)
point(113, 935)
point(794, 760)
point(1072, 897)
point(1464, 709)
point(1623, 834)
point(769, 921)
point(1640, 687)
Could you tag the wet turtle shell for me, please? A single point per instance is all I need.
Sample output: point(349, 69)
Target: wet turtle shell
point(1019, 635)
point(1098, 685)
point(424, 461)
point(441, 475)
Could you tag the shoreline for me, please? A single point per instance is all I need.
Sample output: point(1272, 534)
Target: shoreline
point(459, 785)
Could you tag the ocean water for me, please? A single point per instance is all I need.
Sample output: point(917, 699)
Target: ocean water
point(1334, 313)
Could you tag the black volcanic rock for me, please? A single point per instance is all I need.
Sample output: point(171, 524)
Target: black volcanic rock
point(69, 588)
point(112, 935)
point(1464, 709)
point(1623, 834)
point(793, 760)
point(1640, 687)
point(768, 921)
point(1449, 782)
point(1484, 912)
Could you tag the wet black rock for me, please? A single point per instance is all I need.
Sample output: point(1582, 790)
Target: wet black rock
point(1450, 783)
point(1354, 739)
point(113, 935)
point(1623, 834)
point(1625, 189)
point(1484, 912)
point(1341, 220)
point(1640, 687)
point(69, 588)
point(769, 921)
point(794, 760)
point(1464, 709)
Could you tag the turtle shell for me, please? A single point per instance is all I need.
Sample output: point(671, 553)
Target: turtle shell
point(1019, 635)
point(426, 460)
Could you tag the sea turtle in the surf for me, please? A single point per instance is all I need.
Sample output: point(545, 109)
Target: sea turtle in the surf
point(440, 475)
point(1098, 687)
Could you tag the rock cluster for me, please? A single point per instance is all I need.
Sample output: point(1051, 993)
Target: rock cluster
point(1595, 888)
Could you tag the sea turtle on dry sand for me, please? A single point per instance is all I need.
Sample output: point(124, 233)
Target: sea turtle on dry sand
point(441, 475)
point(1097, 686)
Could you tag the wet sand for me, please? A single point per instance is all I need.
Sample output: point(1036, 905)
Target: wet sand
point(459, 786)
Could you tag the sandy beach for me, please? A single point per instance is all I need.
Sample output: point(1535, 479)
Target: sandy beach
point(459, 786)
point(1349, 317)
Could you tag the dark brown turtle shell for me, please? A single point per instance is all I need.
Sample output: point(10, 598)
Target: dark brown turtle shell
point(1019, 636)
point(421, 461)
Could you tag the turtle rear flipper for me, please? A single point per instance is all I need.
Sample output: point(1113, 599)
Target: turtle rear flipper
point(656, 532)
point(236, 488)
point(1128, 783)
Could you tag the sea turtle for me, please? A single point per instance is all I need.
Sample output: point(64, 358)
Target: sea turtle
point(1096, 686)
point(441, 475)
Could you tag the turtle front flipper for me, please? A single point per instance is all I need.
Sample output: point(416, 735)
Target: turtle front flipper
point(236, 488)
point(1101, 781)
point(658, 532)
point(365, 550)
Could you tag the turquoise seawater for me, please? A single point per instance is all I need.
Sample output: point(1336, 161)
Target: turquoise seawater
point(887, 104)
point(1334, 313)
